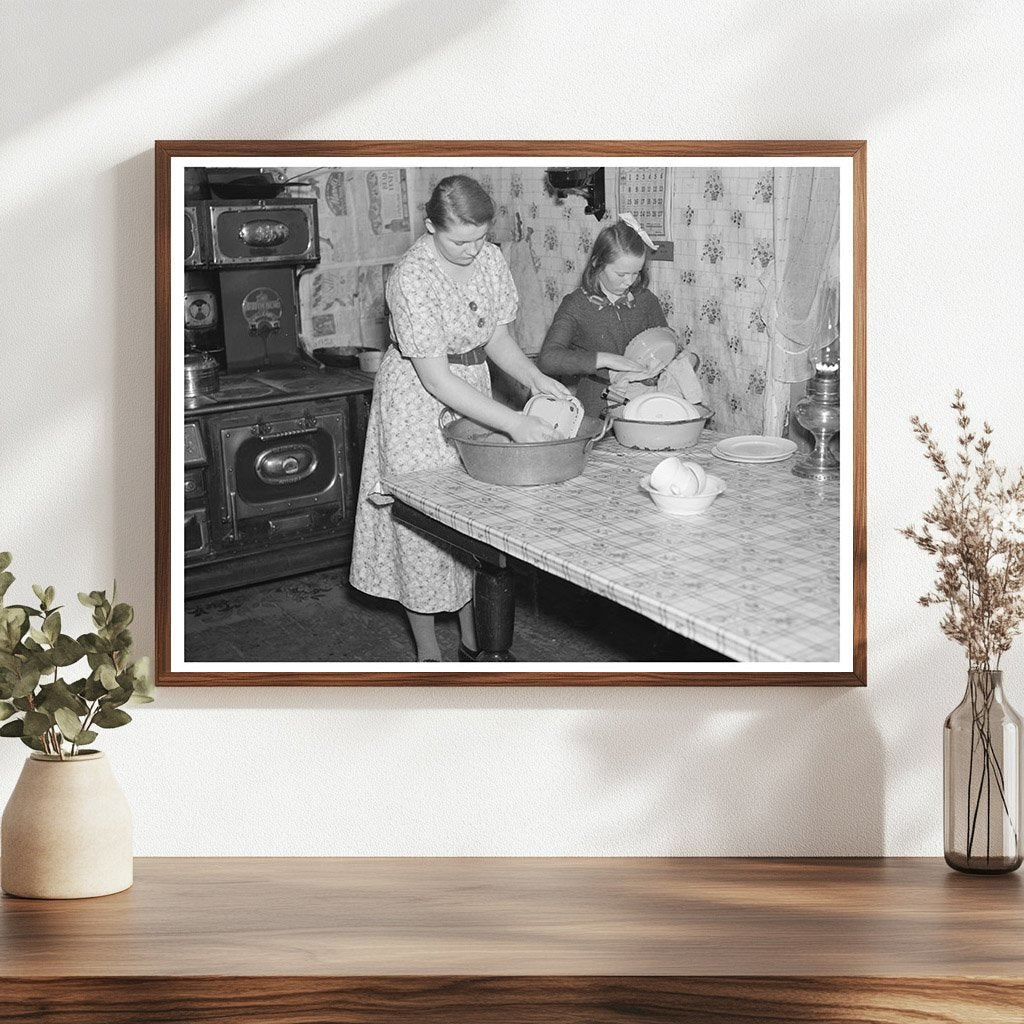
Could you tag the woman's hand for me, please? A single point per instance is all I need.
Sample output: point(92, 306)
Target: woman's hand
point(541, 384)
point(529, 429)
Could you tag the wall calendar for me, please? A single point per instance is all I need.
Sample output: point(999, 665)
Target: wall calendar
point(644, 192)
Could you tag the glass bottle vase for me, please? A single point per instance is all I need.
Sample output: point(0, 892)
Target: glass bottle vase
point(981, 747)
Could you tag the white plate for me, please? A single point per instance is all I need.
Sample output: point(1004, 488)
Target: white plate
point(754, 448)
point(564, 414)
point(661, 407)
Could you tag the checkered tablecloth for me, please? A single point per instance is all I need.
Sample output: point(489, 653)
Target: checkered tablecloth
point(756, 577)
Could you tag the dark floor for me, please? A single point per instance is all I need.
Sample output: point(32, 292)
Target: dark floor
point(318, 617)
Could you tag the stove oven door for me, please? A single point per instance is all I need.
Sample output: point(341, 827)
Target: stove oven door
point(282, 473)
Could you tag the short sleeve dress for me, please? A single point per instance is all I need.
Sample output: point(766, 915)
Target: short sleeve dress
point(431, 315)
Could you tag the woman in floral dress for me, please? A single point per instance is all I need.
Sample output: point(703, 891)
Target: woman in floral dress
point(451, 299)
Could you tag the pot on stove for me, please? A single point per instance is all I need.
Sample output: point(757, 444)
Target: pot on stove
point(202, 374)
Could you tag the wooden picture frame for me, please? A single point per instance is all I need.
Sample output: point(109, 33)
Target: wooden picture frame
point(843, 600)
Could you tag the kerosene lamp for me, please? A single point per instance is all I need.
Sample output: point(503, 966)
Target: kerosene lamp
point(818, 413)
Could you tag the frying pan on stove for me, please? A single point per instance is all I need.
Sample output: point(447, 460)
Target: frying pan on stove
point(336, 357)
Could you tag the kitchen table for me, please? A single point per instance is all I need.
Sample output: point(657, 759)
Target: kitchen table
point(756, 577)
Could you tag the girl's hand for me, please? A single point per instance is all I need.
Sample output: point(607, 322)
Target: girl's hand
point(529, 429)
point(613, 361)
point(541, 384)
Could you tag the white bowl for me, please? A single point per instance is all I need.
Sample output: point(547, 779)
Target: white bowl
point(684, 505)
point(653, 348)
point(659, 435)
point(369, 360)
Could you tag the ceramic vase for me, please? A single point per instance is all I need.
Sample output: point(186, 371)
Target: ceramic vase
point(981, 777)
point(66, 831)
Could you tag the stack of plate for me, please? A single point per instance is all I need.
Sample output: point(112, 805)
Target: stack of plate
point(659, 407)
point(754, 449)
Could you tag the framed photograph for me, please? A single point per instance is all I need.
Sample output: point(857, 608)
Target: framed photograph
point(510, 413)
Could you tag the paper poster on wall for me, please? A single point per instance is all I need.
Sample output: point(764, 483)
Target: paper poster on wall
point(344, 306)
point(364, 214)
point(645, 193)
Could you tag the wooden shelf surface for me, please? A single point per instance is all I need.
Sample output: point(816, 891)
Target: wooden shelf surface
point(532, 939)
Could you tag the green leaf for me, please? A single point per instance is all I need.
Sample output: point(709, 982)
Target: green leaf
point(13, 624)
point(15, 728)
point(115, 698)
point(89, 600)
point(6, 710)
point(122, 616)
point(50, 595)
point(107, 676)
point(51, 627)
point(6, 579)
point(36, 723)
point(5, 559)
point(142, 679)
point(29, 611)
point(39, 636)
point(31, 741)
point(69, 724)
point(86, 736)
point(94, 689)
point(40, 593)
point(58, 695)
point(27, 681)
point(111, 718)
point(94, 644)
point(66, 650)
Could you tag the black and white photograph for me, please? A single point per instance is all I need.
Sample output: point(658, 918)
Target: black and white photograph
point(534, 416)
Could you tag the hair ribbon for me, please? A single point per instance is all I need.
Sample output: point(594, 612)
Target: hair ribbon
point(632, 222)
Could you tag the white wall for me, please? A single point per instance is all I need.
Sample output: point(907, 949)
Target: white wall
point(936, 89)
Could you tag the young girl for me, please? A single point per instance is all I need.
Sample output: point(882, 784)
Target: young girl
point(596, 322)
point(451, 299)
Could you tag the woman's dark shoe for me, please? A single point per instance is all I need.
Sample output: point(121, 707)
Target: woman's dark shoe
point(465, 654)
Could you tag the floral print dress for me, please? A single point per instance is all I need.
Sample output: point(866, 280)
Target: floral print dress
point(431, 315)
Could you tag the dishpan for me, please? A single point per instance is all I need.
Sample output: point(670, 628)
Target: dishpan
point(494, 458)
point(685, 505)
point(659, 435)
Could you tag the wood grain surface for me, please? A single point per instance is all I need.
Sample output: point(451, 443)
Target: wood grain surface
point(564, 940)
point(854, 348)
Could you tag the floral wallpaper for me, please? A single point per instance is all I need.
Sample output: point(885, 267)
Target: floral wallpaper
point(712, 291)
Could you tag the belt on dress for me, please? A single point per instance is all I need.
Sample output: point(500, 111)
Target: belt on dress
point(474, 357)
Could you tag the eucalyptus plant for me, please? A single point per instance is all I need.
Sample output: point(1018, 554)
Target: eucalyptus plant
point(46, 712)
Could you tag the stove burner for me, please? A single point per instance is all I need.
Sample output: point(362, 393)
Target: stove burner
point(233, 389)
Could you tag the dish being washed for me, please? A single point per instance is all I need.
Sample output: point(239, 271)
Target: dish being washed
point(654, 348)
point(563, 414)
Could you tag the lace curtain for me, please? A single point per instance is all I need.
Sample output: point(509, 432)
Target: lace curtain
point(802, 288)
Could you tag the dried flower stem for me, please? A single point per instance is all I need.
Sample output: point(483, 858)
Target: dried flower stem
point(975, 530)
